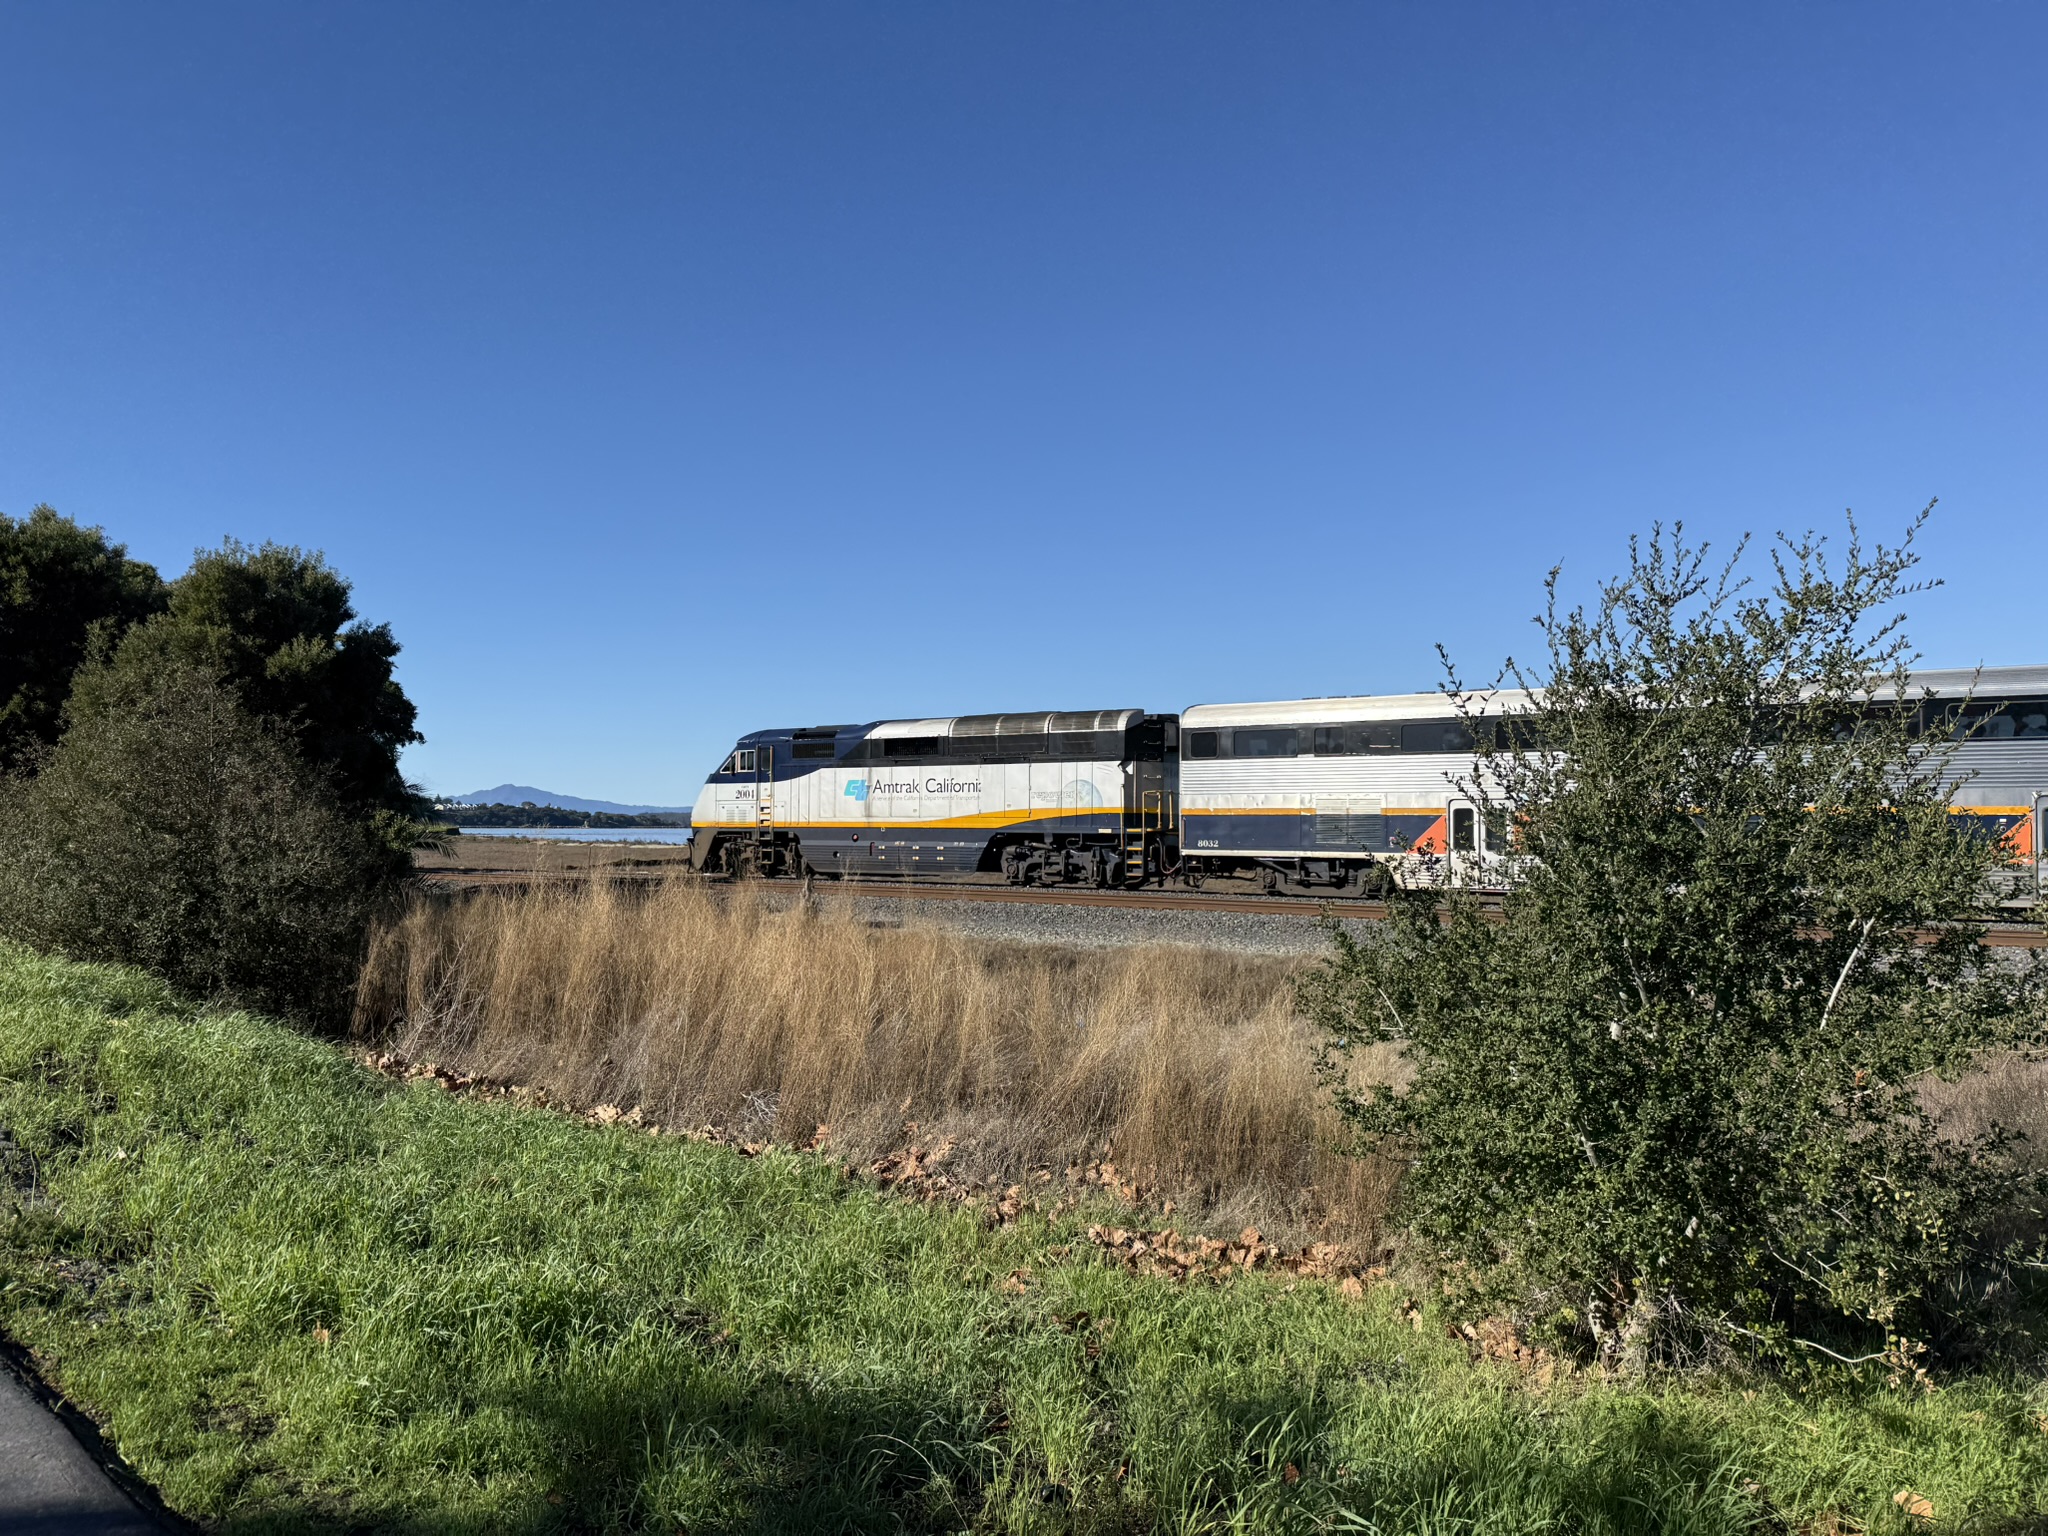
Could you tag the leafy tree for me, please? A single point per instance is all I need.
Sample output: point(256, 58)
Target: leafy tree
point(61, 586)
point(1671, 1085)
point(172, 829)
point(277, 626)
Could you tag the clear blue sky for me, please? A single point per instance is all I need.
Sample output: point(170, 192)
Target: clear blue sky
point(660, 373)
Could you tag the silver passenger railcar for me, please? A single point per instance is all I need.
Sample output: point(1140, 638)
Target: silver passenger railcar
point(1345, 793)
point(1337, 794)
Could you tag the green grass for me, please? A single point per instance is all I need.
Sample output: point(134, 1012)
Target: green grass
point(532, 1324)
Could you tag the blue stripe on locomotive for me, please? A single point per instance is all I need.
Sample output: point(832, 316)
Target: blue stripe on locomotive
point(884, 847)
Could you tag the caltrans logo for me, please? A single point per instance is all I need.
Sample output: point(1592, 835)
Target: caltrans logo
point(857, 788)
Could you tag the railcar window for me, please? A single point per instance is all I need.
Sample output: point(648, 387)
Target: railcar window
point(1462, 827)
point(1265, 743)
point(1436, 736)
point(1982, 722)
point(1495, 828)
point(1379, 736)
point(2002, 722)
point(1336, 740)
point(1524, 735)
point(1354, 740)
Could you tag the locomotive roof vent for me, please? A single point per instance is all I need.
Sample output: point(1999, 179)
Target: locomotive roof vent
point(982, 727)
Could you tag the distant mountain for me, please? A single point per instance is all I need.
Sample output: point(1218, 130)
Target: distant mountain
point(519, 794)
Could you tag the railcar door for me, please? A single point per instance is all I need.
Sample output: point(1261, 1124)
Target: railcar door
point(2040, 853)
point(1477, 844)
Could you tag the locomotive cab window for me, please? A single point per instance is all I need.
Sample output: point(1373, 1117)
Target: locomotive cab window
point(742, 761)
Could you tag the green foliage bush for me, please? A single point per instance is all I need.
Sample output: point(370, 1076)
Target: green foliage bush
point(277, 626)
point(172, 829)
point(61, 587)
point(1670, 1092)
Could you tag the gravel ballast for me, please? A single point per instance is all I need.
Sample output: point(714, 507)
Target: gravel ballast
point(1091, 927)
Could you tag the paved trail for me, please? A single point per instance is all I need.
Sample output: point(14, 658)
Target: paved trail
point(49, 1486)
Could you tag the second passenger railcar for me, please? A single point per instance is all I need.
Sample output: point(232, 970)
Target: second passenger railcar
point(1338, 793)
point(1341, 793)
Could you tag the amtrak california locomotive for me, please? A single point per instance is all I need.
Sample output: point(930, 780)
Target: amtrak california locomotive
point(1339, 795)
point(1043, 798)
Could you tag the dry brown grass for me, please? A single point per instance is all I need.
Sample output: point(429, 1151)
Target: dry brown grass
point(774, 1017)
point(2008, 1090)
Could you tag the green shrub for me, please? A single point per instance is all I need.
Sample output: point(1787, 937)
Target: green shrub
point(63, 588)
point(171, 829)
point(1672, 1090)
point(276, 625)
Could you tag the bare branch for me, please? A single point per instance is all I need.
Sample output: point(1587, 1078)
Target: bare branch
point(1847, 965)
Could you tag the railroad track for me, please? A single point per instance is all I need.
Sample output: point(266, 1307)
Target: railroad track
point(1999, 936)
point(910, 890)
